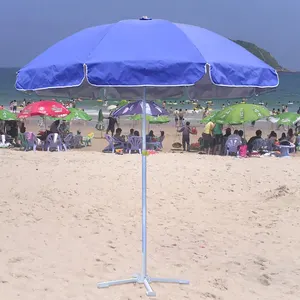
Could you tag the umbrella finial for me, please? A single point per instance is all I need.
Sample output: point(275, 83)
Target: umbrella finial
point(145, 18)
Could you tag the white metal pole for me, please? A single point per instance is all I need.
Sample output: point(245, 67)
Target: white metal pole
point(144, 190)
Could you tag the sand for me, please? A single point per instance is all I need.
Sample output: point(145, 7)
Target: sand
point(69, 220)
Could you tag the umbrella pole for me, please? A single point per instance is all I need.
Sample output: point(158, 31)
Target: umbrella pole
point(144, 190)
point(143, 277)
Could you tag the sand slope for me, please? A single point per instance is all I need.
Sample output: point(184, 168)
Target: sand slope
point(69, 220)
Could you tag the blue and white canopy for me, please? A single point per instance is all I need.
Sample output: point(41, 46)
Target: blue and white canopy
point(128, 55)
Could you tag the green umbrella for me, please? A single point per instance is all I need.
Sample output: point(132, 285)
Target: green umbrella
point(159, 120)
point(287, 118)
point(75, 114)
point(152, 119)
point(100, 116)
point(240, 114)
point(6, 115)
point(209, 118)
point(122, 103)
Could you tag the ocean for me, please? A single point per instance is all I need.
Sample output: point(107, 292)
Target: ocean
point(287, 92)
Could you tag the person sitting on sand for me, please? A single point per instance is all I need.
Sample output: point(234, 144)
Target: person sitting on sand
point(118, 135)
point(241, 135)
point(54, 127)
point(22, 128)
point(254, 141)
point(235, 136)
point(290, 136)
point(283, 137)
point(225, 138)
point(150, 136)
point(271, 141)
point(131, 132)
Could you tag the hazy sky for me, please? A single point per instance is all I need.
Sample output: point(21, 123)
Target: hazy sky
point(28, 27)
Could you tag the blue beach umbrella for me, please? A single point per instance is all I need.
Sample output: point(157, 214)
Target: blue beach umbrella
point(136, 108)
point(133, 58)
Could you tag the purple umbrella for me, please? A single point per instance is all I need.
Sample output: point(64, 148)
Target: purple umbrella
point(136, 108)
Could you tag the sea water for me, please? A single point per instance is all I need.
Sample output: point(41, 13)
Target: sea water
point(287, 92)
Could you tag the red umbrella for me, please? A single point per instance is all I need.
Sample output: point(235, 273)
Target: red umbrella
point(44, 108)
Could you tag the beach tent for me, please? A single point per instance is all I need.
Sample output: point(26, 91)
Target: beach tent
point(146, 59)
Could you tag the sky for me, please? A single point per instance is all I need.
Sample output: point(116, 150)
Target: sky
point(28, 27)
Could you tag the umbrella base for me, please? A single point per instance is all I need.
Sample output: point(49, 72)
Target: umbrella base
point(142, 280)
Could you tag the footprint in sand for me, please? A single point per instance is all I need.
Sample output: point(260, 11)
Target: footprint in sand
point(265, 280)
point(220, 284)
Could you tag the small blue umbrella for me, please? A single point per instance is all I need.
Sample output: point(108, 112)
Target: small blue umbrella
point(132, 57)
point(136, 108)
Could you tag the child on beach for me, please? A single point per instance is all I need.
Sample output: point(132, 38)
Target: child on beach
point(186, 131)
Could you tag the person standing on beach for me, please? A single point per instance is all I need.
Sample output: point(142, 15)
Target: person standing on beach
point(207, 136)
point(186, 131)
point(14, 106)
point(112, 122)
point(181, 115)
point(176, 113)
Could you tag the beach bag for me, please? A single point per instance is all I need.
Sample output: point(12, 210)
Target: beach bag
point(243, 151)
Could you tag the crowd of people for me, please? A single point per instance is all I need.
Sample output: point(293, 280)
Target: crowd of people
point(213, 141)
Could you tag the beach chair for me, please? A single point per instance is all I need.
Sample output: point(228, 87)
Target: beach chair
point(69, 141)
point(243, 151)
point(54, 141)
point(286, 149)
point(31, 141)
point(259, 145)
point(135, 144)
point(4, 143)
point(119, 144)
point(23, 141)
point(231, 145)
point(77, 143)
point(111, 144)
point(156, 145)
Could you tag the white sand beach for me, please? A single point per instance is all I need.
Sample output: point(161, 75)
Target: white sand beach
point(68, 220)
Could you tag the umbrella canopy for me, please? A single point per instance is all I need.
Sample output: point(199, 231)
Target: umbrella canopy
point(6, 115)
point(75, 114)
point(287, 118)
point(155, 53)
point(159, 120)
point(123, 102)
point(44, 108)
point(210, 117)
point(136, 108)
point(241, 113)
point(151, 119)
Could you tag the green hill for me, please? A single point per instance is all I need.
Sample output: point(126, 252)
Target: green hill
point(261, 54)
